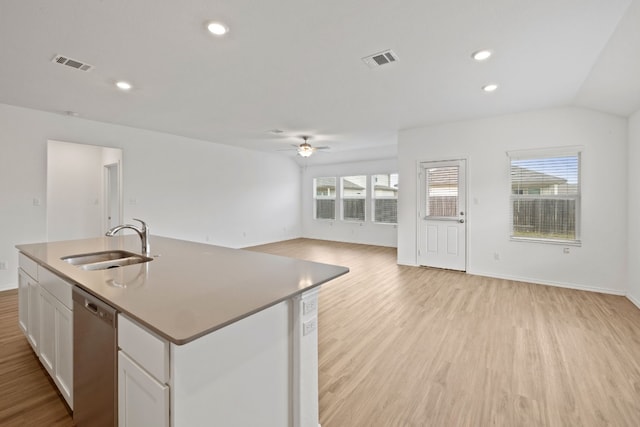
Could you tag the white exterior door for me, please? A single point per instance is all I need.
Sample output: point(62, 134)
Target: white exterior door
point(442, 215)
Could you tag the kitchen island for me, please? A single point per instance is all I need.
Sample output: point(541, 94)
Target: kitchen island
point(231, 335)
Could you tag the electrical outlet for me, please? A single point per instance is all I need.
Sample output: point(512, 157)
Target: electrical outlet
point(3, 265)
point(566, 250)
point(309, 326)
point(496, 256)
point(309, 306)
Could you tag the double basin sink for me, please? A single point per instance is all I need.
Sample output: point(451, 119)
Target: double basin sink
point(105, 260)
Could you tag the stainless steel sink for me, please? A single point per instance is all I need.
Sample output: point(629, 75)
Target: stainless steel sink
point(106, 259)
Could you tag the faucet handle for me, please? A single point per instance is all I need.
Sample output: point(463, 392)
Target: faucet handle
point(144, 224)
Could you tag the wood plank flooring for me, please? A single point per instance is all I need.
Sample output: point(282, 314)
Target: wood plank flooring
point(406, 346)
point(27, 396)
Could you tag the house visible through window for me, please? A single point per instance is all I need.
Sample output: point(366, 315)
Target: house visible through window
point(354, 194)
point(385, 198)
point(325, 197)
point(545, 197)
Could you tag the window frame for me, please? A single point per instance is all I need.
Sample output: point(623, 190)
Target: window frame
point(316, 198)
point(374, 198)
point(363, 197)
point(577, 197)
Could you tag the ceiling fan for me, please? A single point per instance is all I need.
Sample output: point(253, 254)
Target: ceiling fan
point(305, 149)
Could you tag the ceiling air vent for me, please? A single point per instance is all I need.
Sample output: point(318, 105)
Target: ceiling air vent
point(380, 58)
point(73, 63)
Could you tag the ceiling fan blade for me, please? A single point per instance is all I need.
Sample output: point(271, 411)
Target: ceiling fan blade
point(324, 147)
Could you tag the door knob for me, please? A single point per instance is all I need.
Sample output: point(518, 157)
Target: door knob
point(461, 220)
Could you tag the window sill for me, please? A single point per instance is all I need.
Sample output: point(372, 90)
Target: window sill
point(577, 243)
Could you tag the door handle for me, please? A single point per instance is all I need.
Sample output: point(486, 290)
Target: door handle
point(461, 220)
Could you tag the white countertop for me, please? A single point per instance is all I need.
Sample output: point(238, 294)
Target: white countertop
point(189, 289)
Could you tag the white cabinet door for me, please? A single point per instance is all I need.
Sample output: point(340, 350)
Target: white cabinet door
point(47, 332)
point(56, 343)
point(64, 351)
point(142, 400)
point(23, 301)
point(33, 314)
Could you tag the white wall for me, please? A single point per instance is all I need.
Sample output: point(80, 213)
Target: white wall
point(366, 232)
point(599, 264)
point(183, 187)
point(633, 291)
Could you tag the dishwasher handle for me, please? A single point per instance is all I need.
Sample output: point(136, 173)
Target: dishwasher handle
point(95, 306)
point(92, 307)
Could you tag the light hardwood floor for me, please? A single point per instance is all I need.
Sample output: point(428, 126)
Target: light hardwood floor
point(406, 346)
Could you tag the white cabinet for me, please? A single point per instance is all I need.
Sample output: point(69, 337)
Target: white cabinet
point(142, 400)
point(23, 301)
point(48, 339)
point(29, 301)
point(56, 345)
point(258, 371)
point(64, 352)
point(143, 376)
point(45, 316)
point(56, 331)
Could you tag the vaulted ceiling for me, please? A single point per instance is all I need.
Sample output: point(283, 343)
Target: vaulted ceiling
point(295, 65)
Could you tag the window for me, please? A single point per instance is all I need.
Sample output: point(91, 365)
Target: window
point(442, 191)
point(545, 197)
point(324, 190)
point(385, 198)
point(354, 194)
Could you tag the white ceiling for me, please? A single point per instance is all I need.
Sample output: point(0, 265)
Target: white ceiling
point(295, 64)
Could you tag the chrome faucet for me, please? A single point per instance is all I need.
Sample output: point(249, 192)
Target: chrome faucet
point(143, 232)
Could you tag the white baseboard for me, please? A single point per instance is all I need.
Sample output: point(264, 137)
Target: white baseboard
point(8, 286)
point(550, 283)
point(634, 300)
point(407, 263)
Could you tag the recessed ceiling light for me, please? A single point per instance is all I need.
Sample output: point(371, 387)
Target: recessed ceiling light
point(122, 85)
point(490, 87)
point(217, 28)
point(481, 55)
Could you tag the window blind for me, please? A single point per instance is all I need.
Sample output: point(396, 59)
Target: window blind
point(324, 192)
point(354, 193)
point(385, 198)
point(545, 197)
point(442, 191)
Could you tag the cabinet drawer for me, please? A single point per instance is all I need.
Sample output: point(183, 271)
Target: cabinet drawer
point(56, 286)
point(146, 348)
point(28, 265)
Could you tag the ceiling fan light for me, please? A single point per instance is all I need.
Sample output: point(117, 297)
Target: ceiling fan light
point(305, 150)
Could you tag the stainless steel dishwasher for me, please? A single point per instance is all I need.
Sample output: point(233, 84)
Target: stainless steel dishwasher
point(95, 374)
